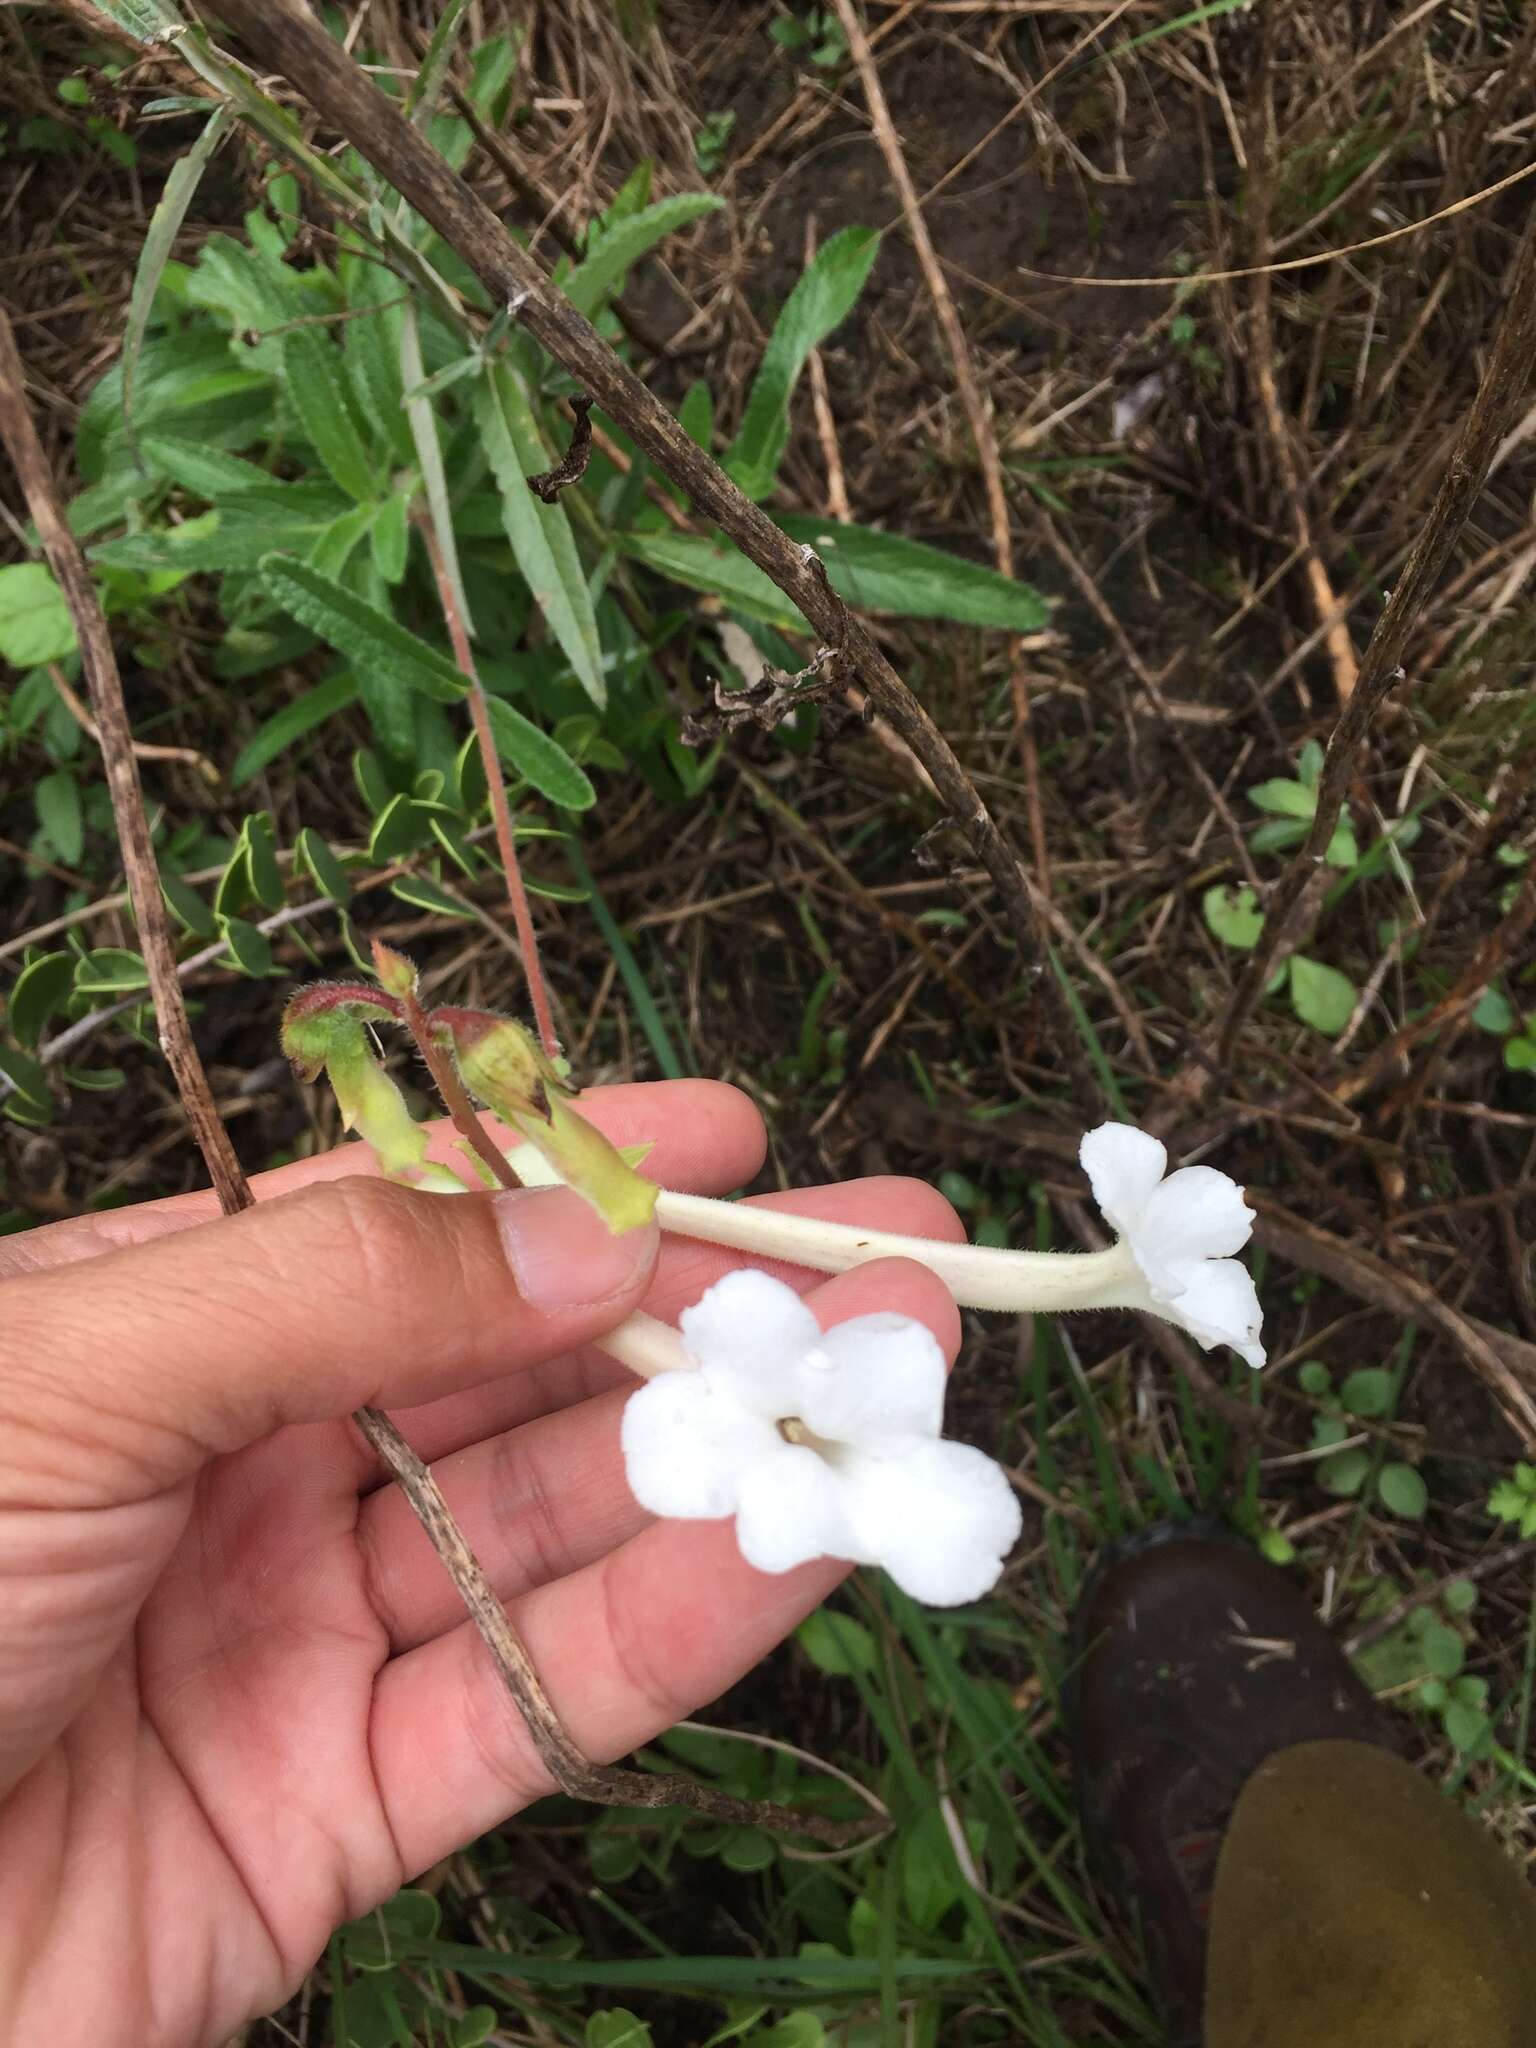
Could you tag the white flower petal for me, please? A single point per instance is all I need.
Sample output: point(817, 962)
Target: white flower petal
point(791, 1510)
point(1220, 1305)
point(1123, 1165)
point(941, 1517)
point(1197, 1213)
point(873, 1376)
point(688, 1448)
point(749, 1332)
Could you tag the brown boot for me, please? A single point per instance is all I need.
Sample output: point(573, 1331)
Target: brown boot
point(1193, 1662)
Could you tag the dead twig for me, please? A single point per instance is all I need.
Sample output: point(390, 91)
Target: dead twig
point(114, 734)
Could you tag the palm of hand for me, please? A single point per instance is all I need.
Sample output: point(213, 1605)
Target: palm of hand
point(300, 1719)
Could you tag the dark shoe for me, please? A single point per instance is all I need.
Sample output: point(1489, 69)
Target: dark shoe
point(1193, 1660)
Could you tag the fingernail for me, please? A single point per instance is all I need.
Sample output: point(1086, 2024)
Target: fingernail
point(562, 1253)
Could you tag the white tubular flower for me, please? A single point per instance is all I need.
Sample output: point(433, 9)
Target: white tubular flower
point(1180, 1231)
point(821, 1445)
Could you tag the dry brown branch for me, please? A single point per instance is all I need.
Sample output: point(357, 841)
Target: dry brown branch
point(572, 1771)
point(1509, 365)
point(109, 710)
point(297, 48)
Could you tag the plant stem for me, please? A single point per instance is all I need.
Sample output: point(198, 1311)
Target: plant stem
point(501, 811)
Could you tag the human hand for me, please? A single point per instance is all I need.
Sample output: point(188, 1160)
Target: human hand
point(239, 1700)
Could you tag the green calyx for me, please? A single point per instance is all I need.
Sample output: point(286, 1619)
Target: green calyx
point(328, 1028)
point(503, 1067)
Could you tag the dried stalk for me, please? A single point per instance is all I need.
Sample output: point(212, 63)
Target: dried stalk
point(573, 1772)
point(501, 813)
point(115, 738)
point(296, 48)
point(1381, 665)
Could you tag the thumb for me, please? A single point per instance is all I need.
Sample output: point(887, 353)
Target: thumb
point(143, 1363)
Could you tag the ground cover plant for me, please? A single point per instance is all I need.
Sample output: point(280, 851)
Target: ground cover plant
point(1128, 546)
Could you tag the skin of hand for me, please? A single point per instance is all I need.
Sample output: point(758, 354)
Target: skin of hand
point(239, 1700)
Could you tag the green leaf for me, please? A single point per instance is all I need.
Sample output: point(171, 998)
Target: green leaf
point(1314, 1378)
point(1345, 1472)
point(187, 907)
point(301, 715)
point(422, 893)
point(1341, 851)
point(1368, 1392)
point(821, 300)
point(261, 857)
point(369, 638)
point(696, 414)
point(33, 1097)
point(540, 760)
point(1401, 1490)
point(1285, 799)
point(1443, 1651)
point(747, 1849)
point(1459, 1597)
point(872, 571)
point(1320, 995)
point(836, 1643)
point(41, 990)
point(96, 1080)
point(323, 868)
point(312, 368)
point(616, 2027)
point(429, 460)
point(1520, 1055)
point(1466, 1728)
point(233, 889)
point(164, 224)
point(540, 534)
point(204, 471)
point(389, 537)
point(403, 826)
point(59, 812)
point(624, 244)
point(35, 625)
point(1495, 1013)
point(110, 971)
point(1508, 1502)
point(1233, 916)
point(250, 949)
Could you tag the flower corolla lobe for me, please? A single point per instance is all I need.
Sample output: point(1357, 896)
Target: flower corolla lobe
point(821, 1444)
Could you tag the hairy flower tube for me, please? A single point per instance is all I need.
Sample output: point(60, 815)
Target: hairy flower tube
point(821, 1444)
point(1173, 1256)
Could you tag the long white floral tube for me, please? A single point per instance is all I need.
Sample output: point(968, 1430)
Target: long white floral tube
point(978, 1276)
point(1176, 1234)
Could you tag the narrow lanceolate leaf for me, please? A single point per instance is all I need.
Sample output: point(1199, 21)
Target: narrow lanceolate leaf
point(429, 459)
point(622, 246)
point(312, 369)
point(540, 534)
point(206, 472)
point(370, 639)
point(164, 223)
point(822, 300)
point(541, 761)
point(874, 571)
point(428, 81)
